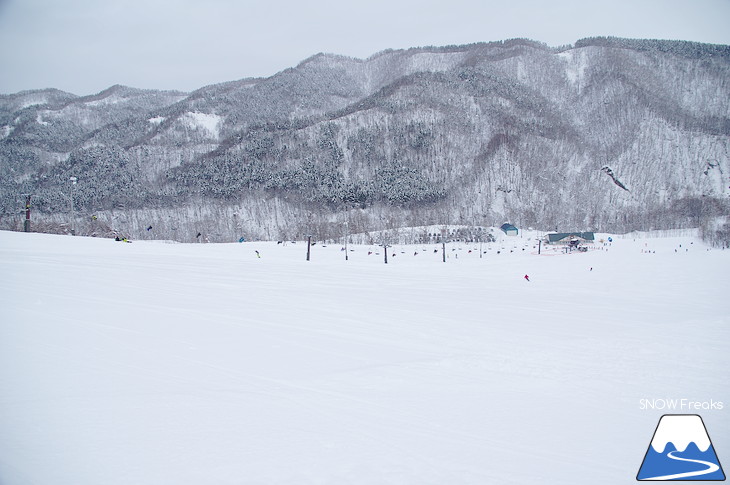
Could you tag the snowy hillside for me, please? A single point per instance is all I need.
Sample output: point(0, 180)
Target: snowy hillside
point(605, 135)
point(152, 362)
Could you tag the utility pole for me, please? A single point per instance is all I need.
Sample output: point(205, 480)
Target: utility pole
point(309, 245)
point(26, 224)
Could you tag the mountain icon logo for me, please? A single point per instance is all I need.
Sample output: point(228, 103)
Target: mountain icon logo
point(680, 450)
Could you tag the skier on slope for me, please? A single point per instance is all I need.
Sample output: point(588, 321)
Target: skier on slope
point(527, 278)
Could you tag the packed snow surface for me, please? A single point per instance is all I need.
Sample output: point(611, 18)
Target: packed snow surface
point(151, 363)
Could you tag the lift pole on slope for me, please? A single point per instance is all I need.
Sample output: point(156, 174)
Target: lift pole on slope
point(26, 224)
point(73, 181)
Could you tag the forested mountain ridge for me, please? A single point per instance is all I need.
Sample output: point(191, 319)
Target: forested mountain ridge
point(608, 134)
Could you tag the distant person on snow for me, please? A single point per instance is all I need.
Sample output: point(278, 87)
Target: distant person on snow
point(527, 278)
point(257, 254)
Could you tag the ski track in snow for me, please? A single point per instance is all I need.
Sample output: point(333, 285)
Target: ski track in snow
point(153, 363)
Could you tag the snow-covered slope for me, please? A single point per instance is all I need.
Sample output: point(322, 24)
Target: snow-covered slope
point(151, 363)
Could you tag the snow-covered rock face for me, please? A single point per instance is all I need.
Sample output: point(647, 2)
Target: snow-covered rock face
point(681, 430)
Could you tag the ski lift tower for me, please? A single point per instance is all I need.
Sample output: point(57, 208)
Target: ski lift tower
point(347, 236)
point(444, 236)
point(480, 232)
point(26, 224)
point(73, 187)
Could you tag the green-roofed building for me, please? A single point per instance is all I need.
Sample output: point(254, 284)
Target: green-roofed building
point(571, 238)
point(509, 229)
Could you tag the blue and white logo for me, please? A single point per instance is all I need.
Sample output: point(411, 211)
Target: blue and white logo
point(681, 450)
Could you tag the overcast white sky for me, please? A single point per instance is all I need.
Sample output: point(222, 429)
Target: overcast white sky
point(85, 46)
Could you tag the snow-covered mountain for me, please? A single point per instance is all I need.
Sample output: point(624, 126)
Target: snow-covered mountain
point(606, 134)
